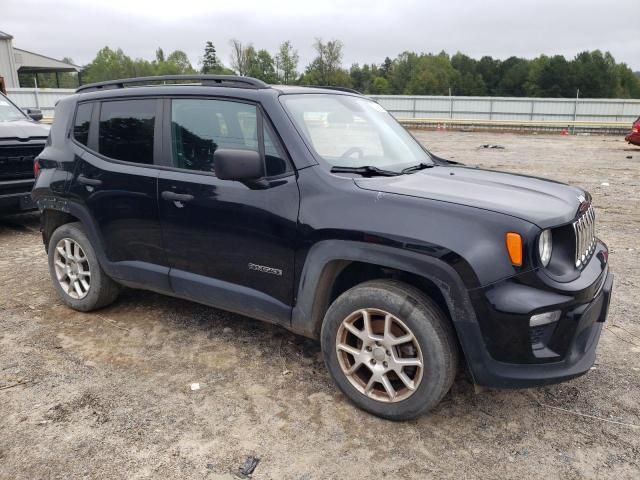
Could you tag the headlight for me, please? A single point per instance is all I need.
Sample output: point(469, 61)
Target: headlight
point(545, 246)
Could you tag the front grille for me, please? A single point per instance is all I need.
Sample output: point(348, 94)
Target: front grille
point(16, 161)
point(585, 233)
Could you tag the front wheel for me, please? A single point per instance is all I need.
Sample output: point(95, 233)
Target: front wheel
point(389, 348)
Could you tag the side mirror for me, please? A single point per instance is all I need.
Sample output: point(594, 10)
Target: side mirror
point(34, 113)
point(238, 165)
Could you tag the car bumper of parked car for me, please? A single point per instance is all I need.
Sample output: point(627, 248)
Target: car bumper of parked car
point(15, 196)
point(516, 352)
point(633, 138)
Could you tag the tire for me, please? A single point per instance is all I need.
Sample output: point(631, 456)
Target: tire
point(97, 290)
point(409, 313)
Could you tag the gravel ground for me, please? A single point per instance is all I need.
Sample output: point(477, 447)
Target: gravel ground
point(107, 395)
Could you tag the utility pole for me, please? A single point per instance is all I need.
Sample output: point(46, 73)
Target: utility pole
point(575, 111)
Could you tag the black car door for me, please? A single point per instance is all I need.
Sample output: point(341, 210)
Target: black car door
point(116, 180)
point(229, 244)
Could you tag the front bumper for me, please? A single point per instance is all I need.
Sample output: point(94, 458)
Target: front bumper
point(15, 196)
point(511, 354)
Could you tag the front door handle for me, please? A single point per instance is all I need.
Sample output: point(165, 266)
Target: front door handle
point(176, 197)
point(94, 182)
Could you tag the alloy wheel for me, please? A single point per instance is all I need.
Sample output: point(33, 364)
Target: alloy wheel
point(72, 268)
point(379, 355)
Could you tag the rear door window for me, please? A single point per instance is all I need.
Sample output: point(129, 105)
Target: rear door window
point(126, 130)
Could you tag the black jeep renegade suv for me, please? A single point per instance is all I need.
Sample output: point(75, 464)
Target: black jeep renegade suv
point(314, 209)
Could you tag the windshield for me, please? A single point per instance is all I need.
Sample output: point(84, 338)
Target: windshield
point(351, 131)
point(8, 111)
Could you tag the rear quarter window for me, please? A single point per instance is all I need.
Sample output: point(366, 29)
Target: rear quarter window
point(82, 122)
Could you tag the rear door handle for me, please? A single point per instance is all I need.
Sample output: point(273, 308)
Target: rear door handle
point(176, 197)
point(89, 181)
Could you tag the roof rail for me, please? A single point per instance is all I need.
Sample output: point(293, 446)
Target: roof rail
point(210, 80)
point(331, 87)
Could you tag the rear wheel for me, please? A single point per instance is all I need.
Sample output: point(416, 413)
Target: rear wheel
point(389, 348)
point(75, 271)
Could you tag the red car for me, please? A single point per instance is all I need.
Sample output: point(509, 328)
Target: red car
point(634, 136)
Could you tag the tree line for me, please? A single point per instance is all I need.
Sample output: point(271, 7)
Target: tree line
point(594, 73)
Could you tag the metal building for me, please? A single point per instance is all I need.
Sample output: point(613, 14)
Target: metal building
point(14, 60)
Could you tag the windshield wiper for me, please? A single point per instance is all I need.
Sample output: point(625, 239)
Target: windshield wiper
point(365, 171)
point(419, 166)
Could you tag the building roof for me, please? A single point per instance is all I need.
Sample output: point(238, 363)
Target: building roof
point(5, 36)
point(29, 62)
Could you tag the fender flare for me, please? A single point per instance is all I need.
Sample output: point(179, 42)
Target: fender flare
point(326, 259)
point(82, 215)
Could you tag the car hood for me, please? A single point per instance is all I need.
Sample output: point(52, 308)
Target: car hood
point(22, 130)
point(545, 203)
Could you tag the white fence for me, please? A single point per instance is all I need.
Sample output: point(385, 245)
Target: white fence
point(512, 109)
point(43, 98)
point(484, 109)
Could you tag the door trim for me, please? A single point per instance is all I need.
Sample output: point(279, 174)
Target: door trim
point(229, 296)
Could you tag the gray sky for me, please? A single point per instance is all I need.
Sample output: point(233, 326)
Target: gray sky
point(370, 29)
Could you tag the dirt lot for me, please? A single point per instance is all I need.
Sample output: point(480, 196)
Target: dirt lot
point(107, 395)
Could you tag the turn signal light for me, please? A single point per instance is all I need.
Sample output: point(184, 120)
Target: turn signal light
point(514, 247)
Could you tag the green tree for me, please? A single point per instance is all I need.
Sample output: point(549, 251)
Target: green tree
point(379, 86)
point(361, 77)
point(179, 63)
point(210, 62)
point(326, 69)
point(262, 66)
point(554, 78)
point(595, 74)
point(286, 63)
point(469, 84)
point(514, 73)
point(108, 64)
point(433, 75)
point(403, 68)
point(176, 63)
point(629, 83)
point(489, 70)
point(160, 55)
point(386, 69)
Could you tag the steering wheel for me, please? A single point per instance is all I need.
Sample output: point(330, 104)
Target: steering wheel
point(351, 151)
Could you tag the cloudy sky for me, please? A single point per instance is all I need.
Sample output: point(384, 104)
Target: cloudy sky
point(369, 29)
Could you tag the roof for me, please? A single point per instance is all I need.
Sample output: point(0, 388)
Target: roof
point(34, 62)
point(5, 36)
